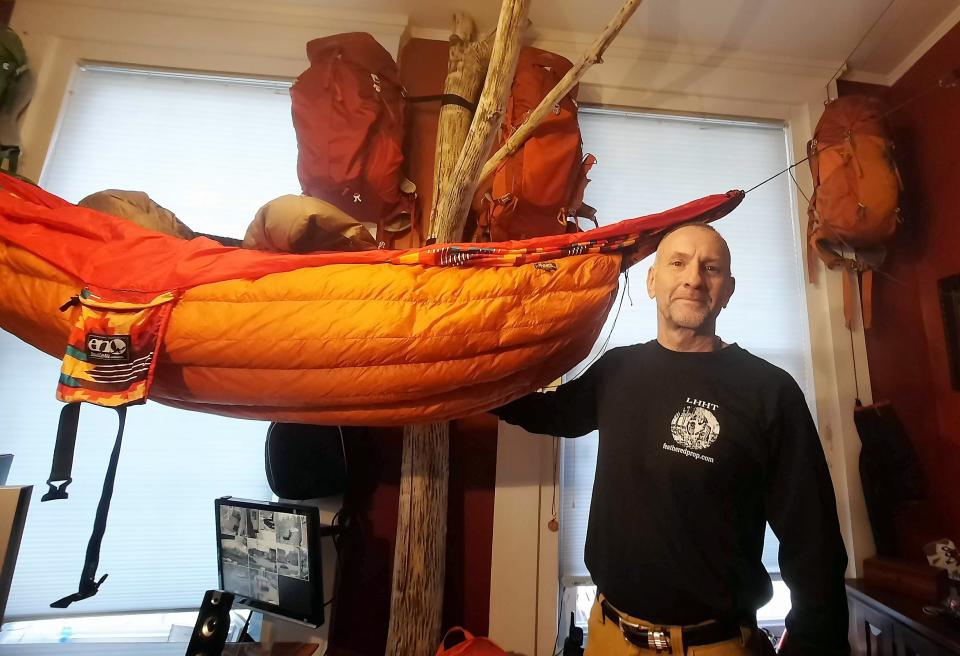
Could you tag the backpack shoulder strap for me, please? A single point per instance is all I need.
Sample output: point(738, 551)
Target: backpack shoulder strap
point(61, 470)
point(62, 466)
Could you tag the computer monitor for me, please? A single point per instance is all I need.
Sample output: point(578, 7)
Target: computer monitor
point(268, 555)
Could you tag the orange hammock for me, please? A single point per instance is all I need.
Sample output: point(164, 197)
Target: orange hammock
point(371, 338)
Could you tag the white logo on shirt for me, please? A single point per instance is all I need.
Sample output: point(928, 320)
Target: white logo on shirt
point(695, 427)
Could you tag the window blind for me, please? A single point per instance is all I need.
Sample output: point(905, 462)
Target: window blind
point(649, 163)
point(213, 150)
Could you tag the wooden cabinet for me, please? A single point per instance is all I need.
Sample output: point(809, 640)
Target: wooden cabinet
point(890, 624)
point(876, 629)
point(913, 644)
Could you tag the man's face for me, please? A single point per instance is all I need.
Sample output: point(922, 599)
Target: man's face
point(691, 278)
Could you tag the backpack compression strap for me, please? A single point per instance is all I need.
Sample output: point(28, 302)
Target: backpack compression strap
point(61, 471)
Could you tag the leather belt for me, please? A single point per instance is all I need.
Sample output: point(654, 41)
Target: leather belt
point(658, 638)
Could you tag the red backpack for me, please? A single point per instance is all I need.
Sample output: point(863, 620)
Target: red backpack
point(854, 208)
point(348, 115)
point(534, 191)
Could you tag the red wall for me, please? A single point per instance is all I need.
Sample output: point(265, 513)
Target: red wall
point(907, 347)
point(6, 9)
point(362, 608)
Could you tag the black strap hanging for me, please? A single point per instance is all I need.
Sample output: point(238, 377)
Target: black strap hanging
point(62, 465)
point(61, 471)
point(446, 99)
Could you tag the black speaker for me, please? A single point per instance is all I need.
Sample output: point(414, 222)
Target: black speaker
point(213, 624)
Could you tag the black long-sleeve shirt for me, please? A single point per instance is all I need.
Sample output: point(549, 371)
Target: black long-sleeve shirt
point(697, 452)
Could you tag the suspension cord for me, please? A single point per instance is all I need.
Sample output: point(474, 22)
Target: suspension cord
point(846, 59)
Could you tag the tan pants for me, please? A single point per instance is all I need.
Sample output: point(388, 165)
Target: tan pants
point(604, 638)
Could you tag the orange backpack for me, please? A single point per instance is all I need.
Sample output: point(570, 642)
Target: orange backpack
point(348, 112)
point(469, 646)
point(535, 189)
point(854, 208)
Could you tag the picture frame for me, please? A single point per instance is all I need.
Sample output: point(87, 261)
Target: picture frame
point(949, 289)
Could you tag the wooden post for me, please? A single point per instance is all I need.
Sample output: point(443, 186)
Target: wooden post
point(416, 604)
point(419, 563)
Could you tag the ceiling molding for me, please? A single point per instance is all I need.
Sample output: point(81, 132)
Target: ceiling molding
point(866, 77)
point(637, 49)
point(277, 12)
point(935, 35)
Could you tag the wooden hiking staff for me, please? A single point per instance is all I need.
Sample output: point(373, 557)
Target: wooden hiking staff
point(416, 603)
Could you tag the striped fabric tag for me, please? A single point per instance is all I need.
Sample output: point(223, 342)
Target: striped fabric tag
point(110, 352)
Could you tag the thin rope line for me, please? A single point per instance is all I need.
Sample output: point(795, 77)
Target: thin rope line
point(846, 60)
point(853, 356)
point(776, 175)
point(853, 351)
point(556, 467)
point(799, 188)
point(948, 81)
point(603, 348)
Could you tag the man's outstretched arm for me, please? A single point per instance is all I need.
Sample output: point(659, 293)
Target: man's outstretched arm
point(570, 411)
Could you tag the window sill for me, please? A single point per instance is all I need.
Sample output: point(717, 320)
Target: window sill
point(139, 633)
point(96, 649)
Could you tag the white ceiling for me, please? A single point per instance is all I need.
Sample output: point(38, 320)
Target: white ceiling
point(815, 31)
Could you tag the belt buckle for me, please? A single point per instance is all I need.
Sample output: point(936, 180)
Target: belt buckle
point(659, 640)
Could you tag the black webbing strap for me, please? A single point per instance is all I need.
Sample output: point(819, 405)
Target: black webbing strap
point(89, 585)
point(62, 465)
point(446, 99)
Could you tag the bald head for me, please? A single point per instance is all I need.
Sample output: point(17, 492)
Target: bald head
point(690, 280)
point(666, 243)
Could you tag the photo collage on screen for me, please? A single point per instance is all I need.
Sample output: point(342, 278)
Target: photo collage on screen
point(259, 548)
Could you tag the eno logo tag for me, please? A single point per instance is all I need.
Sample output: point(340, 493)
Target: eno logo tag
point(110, 348)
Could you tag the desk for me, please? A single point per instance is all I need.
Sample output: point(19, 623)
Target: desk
point(891, 624)
point(277, 649)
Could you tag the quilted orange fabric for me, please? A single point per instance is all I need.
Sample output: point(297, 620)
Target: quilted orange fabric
point(371, 338)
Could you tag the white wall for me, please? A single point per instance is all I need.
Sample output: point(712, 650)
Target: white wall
point(247, 38)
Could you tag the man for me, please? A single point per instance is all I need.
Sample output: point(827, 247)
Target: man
point(701, 444)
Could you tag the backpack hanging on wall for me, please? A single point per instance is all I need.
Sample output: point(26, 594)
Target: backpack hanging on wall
point(536, 188)
point(854, 208)
point(348, 110)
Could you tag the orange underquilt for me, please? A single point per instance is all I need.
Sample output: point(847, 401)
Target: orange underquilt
point(336, 338)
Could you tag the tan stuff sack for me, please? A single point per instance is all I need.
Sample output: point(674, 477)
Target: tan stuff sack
point(854, 209)
point(301, 224)
point(137, 207)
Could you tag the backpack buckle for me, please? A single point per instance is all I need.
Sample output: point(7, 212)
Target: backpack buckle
point(56, 491)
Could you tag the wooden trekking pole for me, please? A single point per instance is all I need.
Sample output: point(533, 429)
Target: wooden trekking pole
point(416, 603)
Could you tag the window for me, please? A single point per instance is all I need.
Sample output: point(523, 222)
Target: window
point(648, 163)
point(213, 150)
